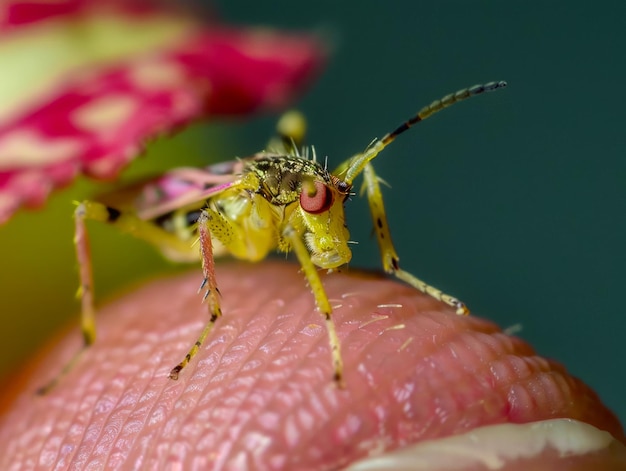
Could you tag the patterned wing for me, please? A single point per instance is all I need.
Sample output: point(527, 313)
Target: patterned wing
point(184, 186)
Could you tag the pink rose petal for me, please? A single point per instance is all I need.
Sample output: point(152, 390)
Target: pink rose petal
point(18, 13)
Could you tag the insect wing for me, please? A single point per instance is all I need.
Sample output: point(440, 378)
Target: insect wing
point(184, 186)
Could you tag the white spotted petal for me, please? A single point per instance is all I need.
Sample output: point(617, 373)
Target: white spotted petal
point(86, 83)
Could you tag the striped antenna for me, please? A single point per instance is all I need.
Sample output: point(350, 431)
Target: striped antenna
point(357, 164)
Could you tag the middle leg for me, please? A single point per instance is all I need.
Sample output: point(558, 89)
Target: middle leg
point(388, 253)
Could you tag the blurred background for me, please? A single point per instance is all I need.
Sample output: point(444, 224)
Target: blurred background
point(514, 201)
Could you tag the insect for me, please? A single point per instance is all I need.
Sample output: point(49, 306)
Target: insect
point(279, 199)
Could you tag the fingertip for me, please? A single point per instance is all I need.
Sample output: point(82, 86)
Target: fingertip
point(413, 371)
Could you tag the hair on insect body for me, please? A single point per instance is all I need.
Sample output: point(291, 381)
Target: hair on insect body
point(277, 200)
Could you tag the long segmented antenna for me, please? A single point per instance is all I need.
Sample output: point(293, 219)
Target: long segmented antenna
point(359, 161)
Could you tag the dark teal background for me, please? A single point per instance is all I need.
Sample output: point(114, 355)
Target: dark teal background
point(514, 201)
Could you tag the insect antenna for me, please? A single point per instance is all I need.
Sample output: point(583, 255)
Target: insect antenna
point(358, 162)
point(439, 105)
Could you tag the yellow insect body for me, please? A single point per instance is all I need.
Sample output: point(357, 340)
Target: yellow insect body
point(276, 200)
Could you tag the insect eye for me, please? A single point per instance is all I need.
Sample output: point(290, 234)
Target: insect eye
point(316, 198)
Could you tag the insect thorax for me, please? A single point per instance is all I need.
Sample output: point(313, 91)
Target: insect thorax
point(280, 177)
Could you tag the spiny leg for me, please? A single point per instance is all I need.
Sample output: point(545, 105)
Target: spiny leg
point(321, 299)
point(126, 222)
point(209, 284)
point(388, 253)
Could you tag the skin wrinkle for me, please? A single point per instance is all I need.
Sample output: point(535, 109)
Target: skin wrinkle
point(271, 395)
point(225, 427)
point(315, 398)
point(273, 398)
point(393, 397)
point(82, 412)
point(231, 423)
point(115, 391)
point(118, 447)
point(139, 417)
point(150, 410)
point(314, 431)
point(302, 358)
point(313, 402)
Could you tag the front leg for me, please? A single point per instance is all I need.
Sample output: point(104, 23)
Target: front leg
point(388, 252)
point(294, 240)
point(208, 222)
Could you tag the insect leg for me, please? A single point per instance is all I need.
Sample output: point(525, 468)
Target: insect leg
point(290, 133)
point(388, 253)
point(321, 299)
point(126, 222)
point(85, 273)
point(209, 221)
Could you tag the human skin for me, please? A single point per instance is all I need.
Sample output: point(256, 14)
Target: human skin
point(260, 395)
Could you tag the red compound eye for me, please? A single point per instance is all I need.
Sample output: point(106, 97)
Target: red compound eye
point(319, 201)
